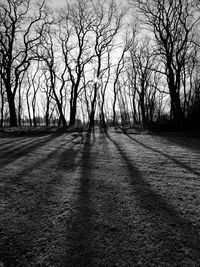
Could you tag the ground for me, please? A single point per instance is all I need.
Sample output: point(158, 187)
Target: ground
point(105, 199)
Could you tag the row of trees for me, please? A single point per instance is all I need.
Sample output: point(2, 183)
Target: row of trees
point(86, 61)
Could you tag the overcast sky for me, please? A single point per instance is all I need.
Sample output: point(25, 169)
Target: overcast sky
point(60, 3)
point(57, 3)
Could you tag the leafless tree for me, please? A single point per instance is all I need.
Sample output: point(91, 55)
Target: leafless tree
point(20, 30)
point(108, 21)
point(142, 62)
point(104, 82)
point(172, 23)
point(76, 45)
point(47, 53)
point(2, 101)
point(47, 91)
point(118, 70)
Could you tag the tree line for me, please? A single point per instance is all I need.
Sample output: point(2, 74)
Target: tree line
point(100, 60)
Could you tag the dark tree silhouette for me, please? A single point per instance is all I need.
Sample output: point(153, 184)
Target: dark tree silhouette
point(20, 29)
point(76, 45)
point(172, 23)
point(108, 21)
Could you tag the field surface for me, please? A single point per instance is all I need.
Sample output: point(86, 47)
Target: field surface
point(107, 199)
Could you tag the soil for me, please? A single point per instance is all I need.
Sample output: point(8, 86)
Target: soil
point(102, 199)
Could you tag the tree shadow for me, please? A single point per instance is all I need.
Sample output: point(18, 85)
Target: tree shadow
point(188, 141)
point(67, 159)
point(7, 157)
point(115, 240)
point(29, 222)
point(22, 145)
point(37, 163)
point(79, 250)
point(10, 142)
point(168, 225)
point(18, 145)
point(181, 164)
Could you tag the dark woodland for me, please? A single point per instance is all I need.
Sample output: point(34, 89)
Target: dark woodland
point(100, 133)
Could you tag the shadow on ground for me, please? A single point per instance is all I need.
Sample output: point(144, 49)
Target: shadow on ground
point(24, 233)
point(98, 227)
point(169, 229)
point(10, 155)
point(181, 164)
point(190, 141)
point(79, 249)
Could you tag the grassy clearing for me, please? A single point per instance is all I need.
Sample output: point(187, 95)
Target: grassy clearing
point(115, 199)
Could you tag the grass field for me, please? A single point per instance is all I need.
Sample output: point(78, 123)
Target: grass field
point(107, 199)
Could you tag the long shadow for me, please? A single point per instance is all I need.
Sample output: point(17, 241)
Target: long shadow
point(22, 242)
point(79, 241)
point(10, 142)
point(60, 157)
point(191, 142)
point(115, 236)
point(21, 146)
point(10, 156)
point(18, 181)
point(183, 165)
point(67, 158)
point(37, 163)
point(54, 154)
point(163, 215)
point(15, 146)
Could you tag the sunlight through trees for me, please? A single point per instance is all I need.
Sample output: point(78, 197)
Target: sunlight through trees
point(99, 61)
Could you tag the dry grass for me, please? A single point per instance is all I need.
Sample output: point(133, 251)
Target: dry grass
point(117, 199)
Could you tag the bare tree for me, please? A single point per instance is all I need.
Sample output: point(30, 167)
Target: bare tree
point(47, 90)
point(108, 21)
point(76, 44)
point(47, 52)
point(28, 93)
point(2, 101)
point(172, 23)
point(104, 85)
point(191, 83)
point(20, 29)
point(36, 83)
point(119, 68)
point(142, 62)
point(20, 99)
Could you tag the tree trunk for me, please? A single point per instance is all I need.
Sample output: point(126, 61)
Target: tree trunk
point(2, 109)
point(58, 102)
point(47, 112)
point(114, 111)
point(62, 117)
point(12, 110)
point(176, 108)
point(73, 110)
point(142, 106)
point(177, 112)
point(34, 118)
point(2, 104)
point(93, 107)
point(102, 118)
point(28, 107)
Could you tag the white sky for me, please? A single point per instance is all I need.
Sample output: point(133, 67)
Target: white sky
point(61, 3)
point(57, 3)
